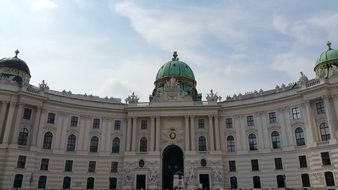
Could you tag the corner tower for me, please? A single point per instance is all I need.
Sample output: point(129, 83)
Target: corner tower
point(175, 81)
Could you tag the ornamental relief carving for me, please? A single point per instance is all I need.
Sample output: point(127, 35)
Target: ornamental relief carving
point(251, 130)
point(73, 131)
point(95, 132)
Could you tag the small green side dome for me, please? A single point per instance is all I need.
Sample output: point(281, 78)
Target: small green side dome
point(327, 56)
point(176, 69)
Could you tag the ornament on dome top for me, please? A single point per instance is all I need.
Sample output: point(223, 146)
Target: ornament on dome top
point(132, 99)
point(213, 97)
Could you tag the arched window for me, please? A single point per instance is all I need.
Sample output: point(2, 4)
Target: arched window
point(202, 144)
point(280, 181)
point(256, 181)
point(305, 180)
point(324, 132)
point(90, 183)
point(47, 140)
point(66, 182)
point(71, 143)
point(231, 144)
point(18, 181)
point(299, 133)
point(23, 137)
point(116, 145)
point(275, 140)
point(252, 142)
point(329, 179)
point(94, 143)
point(42, 182)
point(233, 182)
point(143, 144)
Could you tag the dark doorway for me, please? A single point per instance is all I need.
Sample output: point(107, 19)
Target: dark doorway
point(140, 182)
point(172, 162)
point(204, 180)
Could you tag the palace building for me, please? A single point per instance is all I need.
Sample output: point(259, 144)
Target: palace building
point(285, 137)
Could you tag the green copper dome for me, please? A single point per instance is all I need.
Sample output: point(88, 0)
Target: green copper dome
point(175, 68)
point(182, 73)
point(325, 63)
point(328, 56)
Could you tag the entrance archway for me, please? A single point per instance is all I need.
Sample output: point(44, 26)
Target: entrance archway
point(172, 163)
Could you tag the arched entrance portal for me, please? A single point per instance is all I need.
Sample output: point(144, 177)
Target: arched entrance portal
point(172, 163)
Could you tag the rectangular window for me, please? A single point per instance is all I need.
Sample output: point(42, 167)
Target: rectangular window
point(254, 165)
point(117, 125)
point(326, 158)
point(96, 123)
point(295, 113)
point(320, 108)
point(228, 123)
point(114, 167)
point(21, 162)
point(144, 124)
point(51, 118)
point(232, 165)
point(73, 121)
point(69, 165)
point(91, 166)
point(44, 164)
point(250, 120)
point(272, 117)
point(201, 123)
point(302, 161)
point(27, 113)
point(278, 164)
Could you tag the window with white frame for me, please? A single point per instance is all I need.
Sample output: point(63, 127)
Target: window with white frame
point(295, 113)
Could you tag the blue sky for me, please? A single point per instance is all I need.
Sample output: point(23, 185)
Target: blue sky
point(113, 48)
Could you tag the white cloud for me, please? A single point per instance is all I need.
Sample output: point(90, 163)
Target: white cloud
point(43, 5)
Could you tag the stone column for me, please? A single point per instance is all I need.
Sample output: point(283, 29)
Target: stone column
point(158, 135)
point(283, 128)
point(128, 135)
point(310, 127)
point(260, 136)
point(87, 138)
point(42, 122)
point(192, 135)
point(81, 136)
point(266, 135)
point(238, 136)
point(211, 134)
point(18, 120)
point(3, 111)
point(57, 136)
point(291, 141)
point(330, 118)
point(134, 137)
point(217, 134)
point(8, 124)
point(64, 137)
point(186, 133)
point(108, 130)
point(244, 136)
point(104, 138)
point(152, 133)
point(36, 125)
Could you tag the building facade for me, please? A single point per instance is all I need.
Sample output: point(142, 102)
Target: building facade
point(283, 137)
